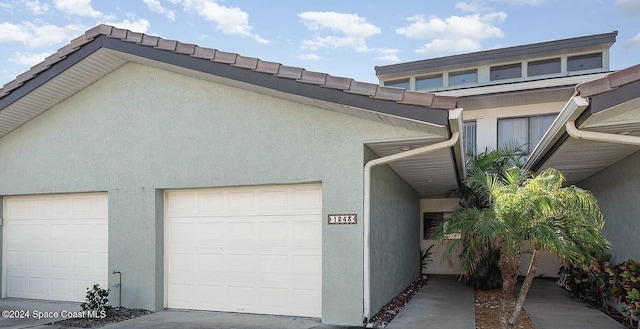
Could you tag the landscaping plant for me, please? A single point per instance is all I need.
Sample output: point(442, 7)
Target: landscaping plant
point(97, 300)
point(565, 221)
point(627, 289)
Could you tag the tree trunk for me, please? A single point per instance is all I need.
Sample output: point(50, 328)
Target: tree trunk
point(531, 272)
point(509, 267)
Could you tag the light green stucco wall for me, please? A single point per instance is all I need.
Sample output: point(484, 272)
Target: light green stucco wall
point(142, 130)
point(617, 189)
point(395, 235)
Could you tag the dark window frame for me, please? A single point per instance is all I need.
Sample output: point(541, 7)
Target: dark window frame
point(505, 72)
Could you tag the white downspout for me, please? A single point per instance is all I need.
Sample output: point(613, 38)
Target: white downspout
point(574, 132)
point(454, 115)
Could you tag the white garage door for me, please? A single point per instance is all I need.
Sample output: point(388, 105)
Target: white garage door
point(248, 250)
point(55, 246)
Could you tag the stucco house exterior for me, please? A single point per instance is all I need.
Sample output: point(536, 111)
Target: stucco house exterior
point(194, 178)
point(506, 94)
point(213, 181)
point(595, 143)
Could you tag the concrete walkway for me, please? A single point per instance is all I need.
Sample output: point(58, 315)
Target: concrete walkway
point(551, 307)
point(444, 302)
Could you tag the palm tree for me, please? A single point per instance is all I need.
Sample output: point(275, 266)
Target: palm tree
point(565, 221)
point(485, 273)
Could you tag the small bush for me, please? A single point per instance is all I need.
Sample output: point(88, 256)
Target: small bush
point(97, 299)
point(627, 287)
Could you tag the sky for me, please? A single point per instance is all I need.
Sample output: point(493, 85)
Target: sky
point(345, 38)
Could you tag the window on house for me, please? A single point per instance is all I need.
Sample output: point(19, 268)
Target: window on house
point(503, 72)
point(584, 62)
point(434, 220)
point(429, 82)
point(469, 138)
point(547, 66)
point(402, 83)
point(526, 131)
point(463, 77)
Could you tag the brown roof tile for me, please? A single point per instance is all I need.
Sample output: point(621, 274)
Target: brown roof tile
point(205, 53)
point(134, 37)
point(98, 30)
point(444, 102)
point(246, 62)
point(625, 76)
point(11, 86)
point(417, 98)
point(185, 48)
point(389, 93)
point(593, 87)
point(316, 78)
point(148, 40)
point(290, 72)
point(39, 68)
point(224, 57)
point(52, 59)
point(362, 88)
point(79, 41)
point(165, 44)
point(118, 33)
point(241, 62)
point(267, 67)
point(337, 83)
point(66, 50)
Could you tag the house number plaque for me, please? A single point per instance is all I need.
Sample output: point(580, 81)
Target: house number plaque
point(338, 219)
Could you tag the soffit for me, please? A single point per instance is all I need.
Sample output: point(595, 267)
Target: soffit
point(579, 159)
point(62, 86)
point(432, 175)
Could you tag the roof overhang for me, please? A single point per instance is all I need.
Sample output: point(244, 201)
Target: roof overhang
point(105, 49)
point(606, 113)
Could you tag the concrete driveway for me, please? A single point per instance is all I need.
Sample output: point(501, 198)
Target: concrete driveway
point(23, 313)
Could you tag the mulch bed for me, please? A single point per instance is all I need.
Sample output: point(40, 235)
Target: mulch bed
point(113, 315)
point(392, 308)
point(488, 312)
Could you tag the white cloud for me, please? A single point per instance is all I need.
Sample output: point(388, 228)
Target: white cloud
point(6, 7)
point(229, 20)
point(28, 59)
point(36, 36)
point(37, 7)
point(455, 33)
point(140, 25)
point(308, 57)
point(388, 54)
point(350, 30)
point(635, 41)
point(77, 7)
point(156, 7)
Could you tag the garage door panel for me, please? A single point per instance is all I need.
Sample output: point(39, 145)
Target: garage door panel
point(55, 245)
point(253, 249)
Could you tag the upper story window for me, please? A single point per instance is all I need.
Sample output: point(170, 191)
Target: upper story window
point(503, 72)
point(547, 66)
point(584, 62)
point(429, 82)
point(463, 77)
point(401, 83)
point(527, 130)
point(469, 138)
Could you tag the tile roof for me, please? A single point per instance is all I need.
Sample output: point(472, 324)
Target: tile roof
point(300, 75)
point(610, 82)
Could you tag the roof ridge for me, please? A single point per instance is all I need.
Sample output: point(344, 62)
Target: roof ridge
point(301, 75)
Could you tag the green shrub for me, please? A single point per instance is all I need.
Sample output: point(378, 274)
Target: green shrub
point(593, 282)
point(97, 300)
point(487, 274)
point(627, 288)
